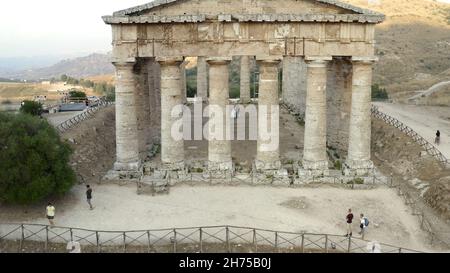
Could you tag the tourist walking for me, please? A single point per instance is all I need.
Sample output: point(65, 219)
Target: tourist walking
point(50, 211)
point(349, 223)
point(89, 196)
point(364, 222)
point(438, 138)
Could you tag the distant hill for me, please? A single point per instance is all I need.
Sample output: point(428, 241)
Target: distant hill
point(92, 65)
point(413, 43)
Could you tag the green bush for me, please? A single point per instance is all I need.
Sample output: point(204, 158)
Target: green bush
point(31, 107)
point(76, 94)
point(33, 160)
point(338, 165)
point(379, 93)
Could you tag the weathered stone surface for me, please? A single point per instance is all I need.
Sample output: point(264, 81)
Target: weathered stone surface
point(314, 154)
point(127, 144)
point(245, 79)
point(172, 150)
point(294, 83)
point(219, 145)
point(202, 78)
point(268, 150)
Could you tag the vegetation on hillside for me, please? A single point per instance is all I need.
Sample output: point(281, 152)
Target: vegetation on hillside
point(33, 160)
point(103, 88)
point(33, 108)
point(379, 93)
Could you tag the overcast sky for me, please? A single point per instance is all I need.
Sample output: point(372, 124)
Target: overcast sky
point(57, 27)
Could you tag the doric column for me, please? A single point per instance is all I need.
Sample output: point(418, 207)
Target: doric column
point(202, 78)
point(127, 143)
point(358, 160)
point(219, 146)
point(143, 106)
point(315, 159)
point(172, 149)
point(154, 81)
point(183, 82)
point(245, 79)
point(268, 151)
point(294, 83)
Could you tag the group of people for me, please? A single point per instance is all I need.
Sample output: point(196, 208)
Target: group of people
point(363, 224)
point(51, 210)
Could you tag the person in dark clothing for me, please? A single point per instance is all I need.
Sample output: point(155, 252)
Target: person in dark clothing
point(438, 138)
point(349, 223)
point(89, 196)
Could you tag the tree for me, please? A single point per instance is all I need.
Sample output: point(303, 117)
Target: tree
point(31, 107)
point(77, 94)
point(33, 160)
point(379, 93)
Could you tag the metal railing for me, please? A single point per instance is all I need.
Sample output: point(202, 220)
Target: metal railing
point(427, 146)
point(88, 113)
point(210, 239)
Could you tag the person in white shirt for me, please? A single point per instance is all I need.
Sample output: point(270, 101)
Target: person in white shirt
point(50, 211)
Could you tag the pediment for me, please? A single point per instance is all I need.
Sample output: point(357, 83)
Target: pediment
point(241, 7)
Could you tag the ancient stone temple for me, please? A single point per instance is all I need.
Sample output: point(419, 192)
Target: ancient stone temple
point(324, 47)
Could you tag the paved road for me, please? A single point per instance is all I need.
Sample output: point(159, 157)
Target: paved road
point(58, 118)
point(425, 120)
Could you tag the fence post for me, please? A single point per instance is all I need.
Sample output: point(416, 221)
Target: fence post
point(201, 240)
point(400, 250)
point(124, 243)
point(46, 239)
point(71, 234)
point(349, 244)
point(227, 236)
point(303, 242)
point(22, 238)
point(276, 242)
point(326, 243)
point(149, 244)
point(174, 240)
point(254, 240)
point(97, 238)
point(422, 222)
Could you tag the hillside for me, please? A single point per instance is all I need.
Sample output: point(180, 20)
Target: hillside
point(92, 65)
point(413, 43)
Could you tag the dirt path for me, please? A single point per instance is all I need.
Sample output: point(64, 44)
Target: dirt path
point(319, 210)
point(425, 120)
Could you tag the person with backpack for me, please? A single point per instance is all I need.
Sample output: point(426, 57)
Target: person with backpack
point(364, 222)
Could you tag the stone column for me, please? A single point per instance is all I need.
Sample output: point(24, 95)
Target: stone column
point(268, 150)
point(358, 160)
point(315, 160)
point(127, 143)
point(154, 81)
point(183, 82)
point(294, 83)
point(172, 150)
point(219, 146)
point(142, 106)
point(202, 78)
point(245, 79)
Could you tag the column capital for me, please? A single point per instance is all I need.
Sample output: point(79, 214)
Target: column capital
point(124, 64)
point(268, 60)
point(218, 60)
point(368, 60)
point(318, 61)
point(170, 60)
